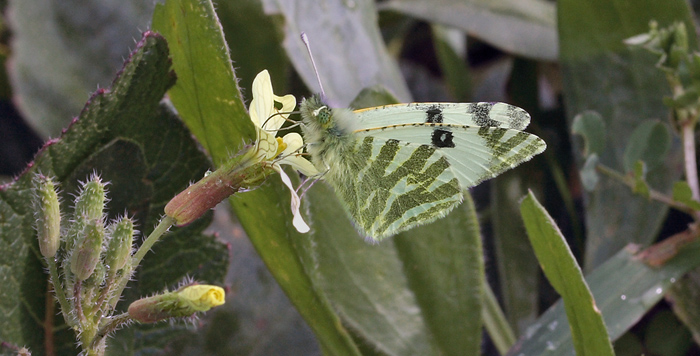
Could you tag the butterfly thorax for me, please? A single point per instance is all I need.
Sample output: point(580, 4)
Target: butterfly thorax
point(327, 133)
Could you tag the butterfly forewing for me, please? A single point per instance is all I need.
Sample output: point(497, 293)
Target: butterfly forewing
point(474, 153)
point(471, 114)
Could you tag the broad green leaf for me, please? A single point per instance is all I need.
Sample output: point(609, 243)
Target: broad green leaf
point(591, 127)
point(530, 24)
point(444, 265)
point(649, 143)
point(600, 73)
point(589, 335)
point(257, 49)
point(91, 39)
point(147, 155)
point(264, 212)
point(206, 95)
point(624, 288)
point(346, 44)
point(365, 282)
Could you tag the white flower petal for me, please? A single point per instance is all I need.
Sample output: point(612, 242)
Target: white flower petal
point(267, 144)
point(294, 143)
point(263, 104)
point(300, 164)
point(298, 220)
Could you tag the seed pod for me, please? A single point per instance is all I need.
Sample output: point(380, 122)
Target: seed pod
point(181, 303)
point(48, 216)
point(120, 245)
point(86, 255)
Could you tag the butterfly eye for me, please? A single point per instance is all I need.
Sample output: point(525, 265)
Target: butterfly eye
point(323, 114)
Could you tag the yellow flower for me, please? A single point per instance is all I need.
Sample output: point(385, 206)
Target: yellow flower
point(202, 297)
point(286, 150)
point(183, 302)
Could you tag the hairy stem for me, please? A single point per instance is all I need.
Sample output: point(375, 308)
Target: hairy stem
point(60, 293)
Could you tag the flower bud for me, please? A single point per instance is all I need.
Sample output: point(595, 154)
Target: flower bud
point(86, 255)
point(181, 303)
point(90, 203)
point(120, 244)
point(48, 216)
point(243, 171)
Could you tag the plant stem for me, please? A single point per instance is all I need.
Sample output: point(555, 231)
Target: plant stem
point(60, 294)
point(114, 323)
point(161, 229)
point(653, 194)
point(691, 168)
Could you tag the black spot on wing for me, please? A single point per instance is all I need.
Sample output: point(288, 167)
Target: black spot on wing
point(481, 112)
point(442, 138)
point(434, 115)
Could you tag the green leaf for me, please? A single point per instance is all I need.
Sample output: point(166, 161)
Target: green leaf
point(519, 276)
point(685, 295)
point(591, 127)
point(683, 194)
point(589, 334)
point(649, 143)
point(531, 24)
point(361, 54)
point(624, 288)
point(665, 335)
point(122, 133)
point(366, 283)
point(264, 212)
point(206, 95)
point(450, 49)
point(594, 59)
point(444, 265)
point(90, 38)
point(373, 96)
point(259, 49)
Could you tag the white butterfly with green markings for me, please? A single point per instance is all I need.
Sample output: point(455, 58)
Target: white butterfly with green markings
point(399, 166)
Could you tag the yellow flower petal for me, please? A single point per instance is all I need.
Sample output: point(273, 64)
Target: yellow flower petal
point(203, 297)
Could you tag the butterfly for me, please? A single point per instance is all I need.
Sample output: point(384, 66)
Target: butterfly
point(398, 166)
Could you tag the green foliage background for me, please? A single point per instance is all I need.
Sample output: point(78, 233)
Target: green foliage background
point(423, 292)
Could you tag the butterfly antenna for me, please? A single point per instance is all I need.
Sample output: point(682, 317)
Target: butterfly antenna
point(305, 39)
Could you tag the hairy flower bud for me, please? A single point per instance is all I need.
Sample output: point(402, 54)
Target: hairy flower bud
point(243, 171)
point(90, 203)
point(48, 215)
point(86, 255)
point(182, 303)
point(120, 244)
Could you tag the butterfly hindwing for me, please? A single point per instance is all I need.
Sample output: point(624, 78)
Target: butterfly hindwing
point(397, 185)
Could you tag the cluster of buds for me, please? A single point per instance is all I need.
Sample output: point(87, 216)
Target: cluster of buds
point(90, 260)
point(679, 62)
